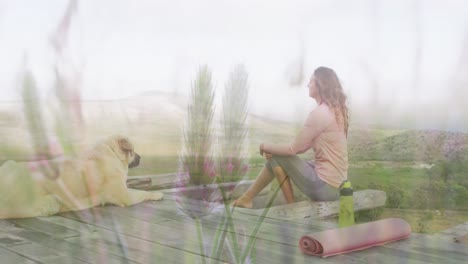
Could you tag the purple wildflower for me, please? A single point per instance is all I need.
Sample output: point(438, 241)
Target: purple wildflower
point(32, 166)
point(212, 173)
point(229, 167)
point(245, 168)
point(44, 163)
point(55, 149)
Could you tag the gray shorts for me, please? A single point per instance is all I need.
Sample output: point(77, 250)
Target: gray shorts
point(302, 173)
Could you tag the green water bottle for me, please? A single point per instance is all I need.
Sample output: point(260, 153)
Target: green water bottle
point(346, 216)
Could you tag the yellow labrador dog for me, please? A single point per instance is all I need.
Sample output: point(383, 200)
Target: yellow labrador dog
point(97, 177)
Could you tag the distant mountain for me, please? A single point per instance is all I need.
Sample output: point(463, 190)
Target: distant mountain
point(412, 145)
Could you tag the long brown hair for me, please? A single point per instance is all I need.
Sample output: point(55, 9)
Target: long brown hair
point(331, 92)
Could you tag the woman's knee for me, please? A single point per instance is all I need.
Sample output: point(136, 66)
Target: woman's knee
point(272, 162)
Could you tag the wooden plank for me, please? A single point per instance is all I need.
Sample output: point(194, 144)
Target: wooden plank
point(159, 239)
point(238, 188)
point(294, 236)
point(80, 227)
point(431, 245)
point(43, 246)
point(155, 182)
point(312, 223)
point(250, 221)
point(140, 250)
point(7, 256)
point(143, 233)
point(389, 254)
point(122, 224)
point(265, 251)
point(36, 252)
point(283, 255)
point(457, 234)
point(187, 242)
point(134, 249)
point(212, 221)
point(275, 233)
point(7, 240)
point(147, 211)
point(7, 226)
point(62, 260)
point(44, 227)
point(267, 244)
point(370, 255)
point(363, 200)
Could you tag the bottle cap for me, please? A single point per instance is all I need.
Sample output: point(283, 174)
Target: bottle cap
point(345, 188)
point(345, 184)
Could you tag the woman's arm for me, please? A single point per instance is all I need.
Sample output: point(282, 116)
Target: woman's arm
point(315, 123)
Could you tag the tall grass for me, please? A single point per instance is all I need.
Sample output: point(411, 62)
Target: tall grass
point(233, 161)
point(34, 117)
point(197, 156)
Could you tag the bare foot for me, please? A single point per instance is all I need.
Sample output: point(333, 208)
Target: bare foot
point(243, 202)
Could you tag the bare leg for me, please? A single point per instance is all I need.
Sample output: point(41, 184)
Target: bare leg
point(263, 179)
point(285, 183)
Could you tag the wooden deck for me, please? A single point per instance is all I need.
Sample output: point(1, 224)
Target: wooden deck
point(157, 232)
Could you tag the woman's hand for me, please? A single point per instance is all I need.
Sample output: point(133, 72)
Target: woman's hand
point(267, 155)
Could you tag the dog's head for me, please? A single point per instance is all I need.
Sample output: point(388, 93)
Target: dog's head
point(125, 150)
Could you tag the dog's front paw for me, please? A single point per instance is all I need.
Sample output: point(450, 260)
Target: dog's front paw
point(48, 206)
point(156, 196)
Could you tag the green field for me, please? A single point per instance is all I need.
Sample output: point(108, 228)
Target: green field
point(386, 173)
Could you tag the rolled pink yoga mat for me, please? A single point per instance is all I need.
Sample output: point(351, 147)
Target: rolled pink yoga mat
point(342, 240)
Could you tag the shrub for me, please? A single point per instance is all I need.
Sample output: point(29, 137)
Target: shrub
point(424, 221)
point(461, 195)
point(368, 215)
point(375, 186)
point(396, 196)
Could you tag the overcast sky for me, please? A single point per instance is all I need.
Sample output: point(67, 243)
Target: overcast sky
point(399, 54)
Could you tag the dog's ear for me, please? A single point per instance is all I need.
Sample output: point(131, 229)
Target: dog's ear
point(126, 147)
